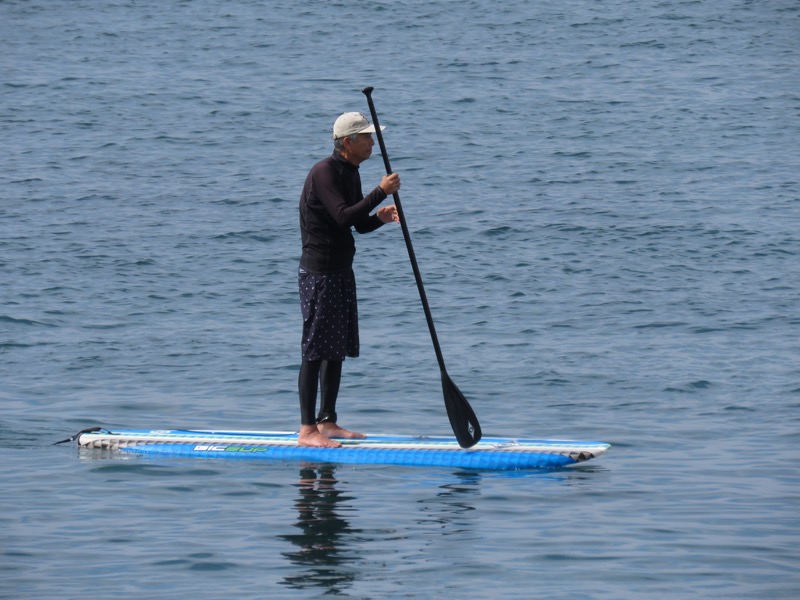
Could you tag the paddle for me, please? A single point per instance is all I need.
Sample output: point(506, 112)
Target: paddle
point(462, 419)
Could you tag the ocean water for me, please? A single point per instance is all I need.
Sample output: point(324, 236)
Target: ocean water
point(604, 199)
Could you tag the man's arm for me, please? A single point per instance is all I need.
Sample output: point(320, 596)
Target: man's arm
point(325, 181)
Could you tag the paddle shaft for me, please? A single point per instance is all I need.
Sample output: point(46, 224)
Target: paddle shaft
point(406, 235)
point(462, 418)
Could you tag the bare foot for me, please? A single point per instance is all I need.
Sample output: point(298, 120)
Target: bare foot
point(332, 430)
point(311, 437)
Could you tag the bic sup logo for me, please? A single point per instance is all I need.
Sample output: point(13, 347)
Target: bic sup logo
point(229, 448)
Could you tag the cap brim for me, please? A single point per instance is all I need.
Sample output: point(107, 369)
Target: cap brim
point(370, 129)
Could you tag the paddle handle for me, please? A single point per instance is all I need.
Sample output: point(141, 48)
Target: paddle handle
point(406, 235)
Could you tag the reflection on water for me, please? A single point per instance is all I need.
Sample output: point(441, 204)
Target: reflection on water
point(325, 547)
point(105, 454)
point(321, 547)
point(451, 510)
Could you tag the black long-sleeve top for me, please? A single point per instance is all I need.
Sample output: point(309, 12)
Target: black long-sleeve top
point(330, 205)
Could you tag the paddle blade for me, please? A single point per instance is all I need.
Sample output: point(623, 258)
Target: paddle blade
point(462, 419)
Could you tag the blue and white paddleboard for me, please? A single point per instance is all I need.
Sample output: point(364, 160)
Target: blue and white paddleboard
point(488, 454)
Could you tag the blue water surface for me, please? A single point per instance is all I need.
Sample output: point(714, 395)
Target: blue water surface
point(604, 199)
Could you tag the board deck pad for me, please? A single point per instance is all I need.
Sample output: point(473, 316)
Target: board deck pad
point(488, 454)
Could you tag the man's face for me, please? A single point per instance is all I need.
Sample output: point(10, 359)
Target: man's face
point(360, 149)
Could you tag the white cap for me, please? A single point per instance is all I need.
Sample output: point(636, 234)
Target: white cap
point(351, 123)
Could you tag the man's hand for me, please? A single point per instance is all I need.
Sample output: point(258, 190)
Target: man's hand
point(387, 214)
point(390, 183)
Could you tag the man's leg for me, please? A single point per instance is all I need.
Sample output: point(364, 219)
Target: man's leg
point(307, 384)
point(330, 377)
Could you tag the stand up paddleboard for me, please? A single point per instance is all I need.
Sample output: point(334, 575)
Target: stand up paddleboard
point(488, 454)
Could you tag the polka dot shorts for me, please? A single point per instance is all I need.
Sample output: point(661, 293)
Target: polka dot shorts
point(330, 315)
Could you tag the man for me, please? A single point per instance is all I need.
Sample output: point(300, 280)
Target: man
point(331, 204)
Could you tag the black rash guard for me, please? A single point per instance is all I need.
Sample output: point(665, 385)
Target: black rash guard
point(332, 203)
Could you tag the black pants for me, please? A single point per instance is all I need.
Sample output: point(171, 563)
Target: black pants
point(326, 376)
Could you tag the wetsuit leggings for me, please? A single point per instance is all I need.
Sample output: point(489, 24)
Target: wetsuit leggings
point(327, 374)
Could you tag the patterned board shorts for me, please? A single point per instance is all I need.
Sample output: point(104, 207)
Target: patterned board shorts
point(330, 315)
